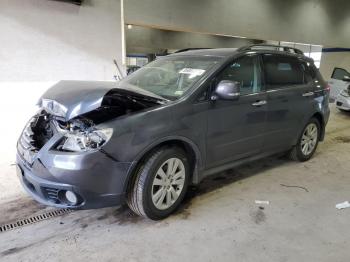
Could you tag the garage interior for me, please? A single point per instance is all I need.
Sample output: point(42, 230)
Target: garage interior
point(45, 41)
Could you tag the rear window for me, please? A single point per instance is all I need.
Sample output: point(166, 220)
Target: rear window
point(283, 71)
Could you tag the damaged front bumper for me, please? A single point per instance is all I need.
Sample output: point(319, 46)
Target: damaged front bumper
point(94, 178)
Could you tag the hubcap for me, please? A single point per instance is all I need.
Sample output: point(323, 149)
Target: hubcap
point(168, 183)
point(309, 139)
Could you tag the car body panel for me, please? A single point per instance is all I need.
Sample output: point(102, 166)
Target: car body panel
point(343, 102)
point(236, 129)
point(78, 97)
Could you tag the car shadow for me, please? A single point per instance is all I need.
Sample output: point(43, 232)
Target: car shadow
point(23, 207)
point(228, 177)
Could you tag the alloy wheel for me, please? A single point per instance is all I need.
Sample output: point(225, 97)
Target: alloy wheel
point(309, 139)
point(168, 183)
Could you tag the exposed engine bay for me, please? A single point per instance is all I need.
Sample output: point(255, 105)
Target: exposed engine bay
point(120, 102)
point(81, 132)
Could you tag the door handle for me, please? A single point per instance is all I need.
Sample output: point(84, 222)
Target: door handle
point(308, 94)
point(260, 103)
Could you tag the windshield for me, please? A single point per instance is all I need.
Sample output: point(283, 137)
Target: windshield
point(169, 77)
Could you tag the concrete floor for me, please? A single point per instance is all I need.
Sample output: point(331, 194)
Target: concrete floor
point(218, 222)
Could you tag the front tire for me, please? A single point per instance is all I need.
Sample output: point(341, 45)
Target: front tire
point(308, 142)
point(160, 184)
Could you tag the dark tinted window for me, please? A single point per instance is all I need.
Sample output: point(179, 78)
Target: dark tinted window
point(203, 96)
point(308, 72)
point(246, 71)
point(339, 73)
point(281, 71)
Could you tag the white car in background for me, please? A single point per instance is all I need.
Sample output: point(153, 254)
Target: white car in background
point(342, 101)
point(338, 82)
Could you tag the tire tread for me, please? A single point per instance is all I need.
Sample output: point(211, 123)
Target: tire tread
point(135, 192)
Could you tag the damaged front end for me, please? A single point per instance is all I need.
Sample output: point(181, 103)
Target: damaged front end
point(76, 135)
point(75, 122)
point(60, 156)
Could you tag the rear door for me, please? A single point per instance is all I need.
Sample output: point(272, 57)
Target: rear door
point(336, 83)
point(290, 93)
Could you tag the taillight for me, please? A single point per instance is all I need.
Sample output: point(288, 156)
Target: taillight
point(328, 87)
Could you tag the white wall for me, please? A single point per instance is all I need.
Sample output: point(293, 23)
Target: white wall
point(42, 40)
point(141, 39)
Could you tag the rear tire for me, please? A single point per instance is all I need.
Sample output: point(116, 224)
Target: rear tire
point(307, 142)
point(160, 184)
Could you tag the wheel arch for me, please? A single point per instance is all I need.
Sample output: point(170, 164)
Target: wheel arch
point(190, 148)
point(320, 119)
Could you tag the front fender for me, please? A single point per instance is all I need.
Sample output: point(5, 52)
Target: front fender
point(164, 141)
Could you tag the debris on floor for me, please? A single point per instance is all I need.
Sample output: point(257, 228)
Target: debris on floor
point(343, 205)
point(262, 202)
point(301, 187)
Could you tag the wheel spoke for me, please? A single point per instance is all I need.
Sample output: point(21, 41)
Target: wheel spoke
point(309, 149)
point(158, 182)
point(175, 166)
point(173, 193)
point(161, 173)
point(161, 199)
point(313, 131)
point(304, 148)
point(309, 130)
point(170, 166)
point(178, 182)
point(168, 198)
point(157, 195)
point(179, 174)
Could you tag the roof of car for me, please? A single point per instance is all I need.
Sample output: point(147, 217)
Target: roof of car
point(218, 52)
point(228, 52)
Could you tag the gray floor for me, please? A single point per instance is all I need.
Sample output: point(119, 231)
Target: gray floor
point(218, 222)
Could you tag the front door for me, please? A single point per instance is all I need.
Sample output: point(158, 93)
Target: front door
point(236, 128)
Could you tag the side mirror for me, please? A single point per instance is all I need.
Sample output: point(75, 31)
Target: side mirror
point(346, 78)
point(226, 90)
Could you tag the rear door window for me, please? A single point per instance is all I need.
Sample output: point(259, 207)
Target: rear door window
point(283, 71)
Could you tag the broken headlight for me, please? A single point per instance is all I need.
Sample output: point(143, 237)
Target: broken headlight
point(80, 141)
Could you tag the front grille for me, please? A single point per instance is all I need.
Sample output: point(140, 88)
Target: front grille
point(339, 103)
point(26, 146)
point(35, 135)
point(51, 194)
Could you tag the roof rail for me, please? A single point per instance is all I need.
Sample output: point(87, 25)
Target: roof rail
point(191, 49)
point(272, 47)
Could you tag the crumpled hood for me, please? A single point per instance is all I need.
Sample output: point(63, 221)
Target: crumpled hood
point(73, 98)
